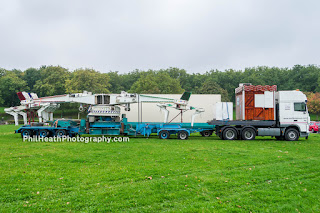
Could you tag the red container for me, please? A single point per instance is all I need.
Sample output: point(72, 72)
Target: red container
point(255, 102)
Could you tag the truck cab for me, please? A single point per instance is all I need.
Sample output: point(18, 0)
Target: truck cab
point(293, 111)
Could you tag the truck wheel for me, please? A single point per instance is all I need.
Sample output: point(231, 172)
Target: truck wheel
point(291, 135)
point(206, 133)
point(164, 134)
point(61, 132)
point(43, 133)
point(312, 131)
point(183, 135)
point(26, 133)
point(248, 134)
point(229, 134)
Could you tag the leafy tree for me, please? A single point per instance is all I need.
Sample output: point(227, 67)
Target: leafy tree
point(10, 84)
point(52, 82)
point(194, 82)
point(147, 85)
point(31, 76)
point(228, 80)
point(211, 87)
point(89, 80)
point(179, 74)
point(304, 78)
point(313, 103)
point(158, 82)
point(116, 82)
point(2, 72)
point(127, 80)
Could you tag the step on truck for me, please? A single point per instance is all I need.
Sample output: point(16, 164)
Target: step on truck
point(263, 111)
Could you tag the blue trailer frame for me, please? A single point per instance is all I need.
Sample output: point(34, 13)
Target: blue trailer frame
point(70, 128)
point(46, 131)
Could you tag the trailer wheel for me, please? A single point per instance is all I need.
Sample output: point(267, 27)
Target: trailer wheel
point(206, 133)
point(291, 135)
point(229, 134)
point(164, 134)
point(183, 135)
point(61, 133)
point(43, 133)
point(248, 134)
point(26, 133)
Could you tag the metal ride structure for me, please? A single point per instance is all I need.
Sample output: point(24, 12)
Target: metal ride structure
point(106, 104)
point(104, 115)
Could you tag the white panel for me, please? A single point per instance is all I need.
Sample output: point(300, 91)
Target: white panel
point(259, 100)
point(268, 99)
point(224, 111)
point(151, 112)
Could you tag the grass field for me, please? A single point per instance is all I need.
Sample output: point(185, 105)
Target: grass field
point(151, 175)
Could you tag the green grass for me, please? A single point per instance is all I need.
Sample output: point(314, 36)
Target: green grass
point(314, 117)
point(196, 175)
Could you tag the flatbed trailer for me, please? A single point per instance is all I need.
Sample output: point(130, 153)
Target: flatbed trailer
point(182, 130)
point(70, 128)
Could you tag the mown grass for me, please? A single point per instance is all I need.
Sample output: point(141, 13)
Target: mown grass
point(151, 175)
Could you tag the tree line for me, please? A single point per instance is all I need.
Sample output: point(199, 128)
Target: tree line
point(56, 80)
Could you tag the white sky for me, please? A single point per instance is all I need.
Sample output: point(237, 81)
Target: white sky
point(123, 35)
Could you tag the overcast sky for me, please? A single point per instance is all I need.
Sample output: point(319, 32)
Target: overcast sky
point(197, 35)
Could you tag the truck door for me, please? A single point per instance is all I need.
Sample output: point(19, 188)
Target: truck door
point(301, 115)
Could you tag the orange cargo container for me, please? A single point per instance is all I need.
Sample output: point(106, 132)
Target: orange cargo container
point(255, 102)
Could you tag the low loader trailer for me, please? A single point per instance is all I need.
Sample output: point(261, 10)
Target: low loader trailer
point(61, 128)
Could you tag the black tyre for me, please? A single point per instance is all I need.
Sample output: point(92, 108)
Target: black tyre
point(248, 134)
point(26, 133)
point(229, 134)
point(43, 133)
point(291, 135)
point(206, 133)
point(183, 135)
point(61, 133)
point(164, 134)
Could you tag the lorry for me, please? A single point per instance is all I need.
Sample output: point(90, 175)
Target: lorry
point(289, 121)
point(260, 111)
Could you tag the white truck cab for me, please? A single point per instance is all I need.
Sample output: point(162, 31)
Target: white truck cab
point(293, 111)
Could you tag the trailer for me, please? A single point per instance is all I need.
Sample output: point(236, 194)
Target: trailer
point(104, 116)
point(63, 128)
point(58, 128)
point(290, 121)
